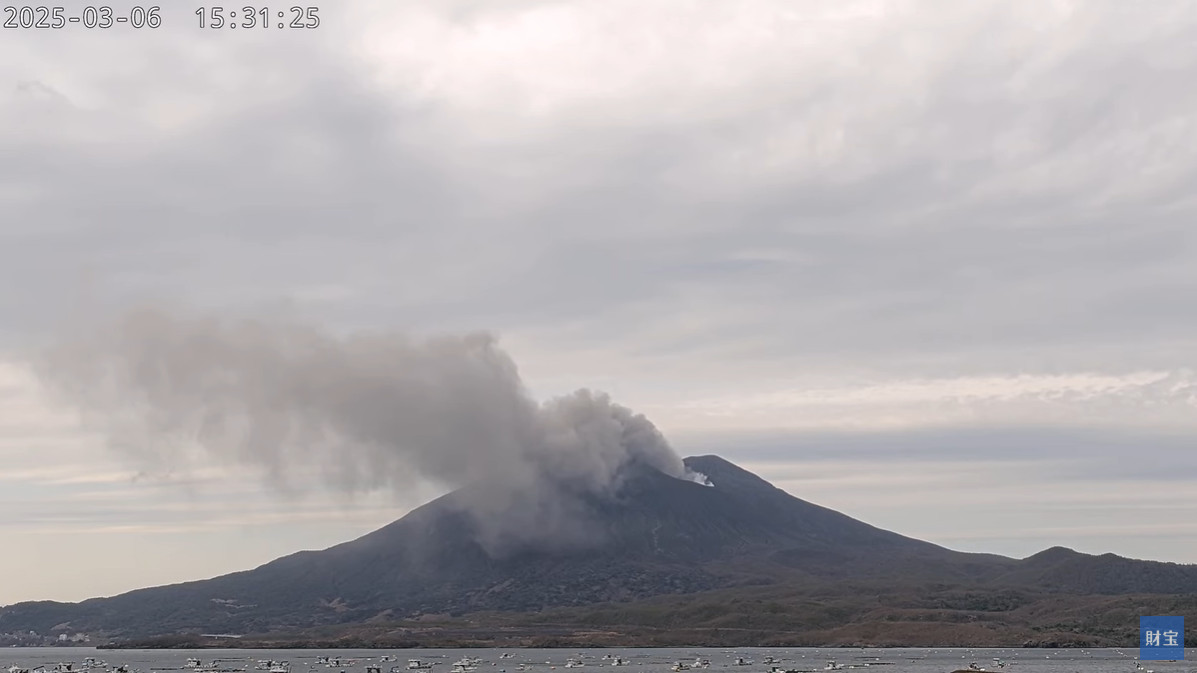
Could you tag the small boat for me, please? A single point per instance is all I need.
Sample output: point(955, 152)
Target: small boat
point(770, 660)
point(619, 661)
point(741, 661)
point(833, 666)
point(418, 665)
point(573, 663)
point(679, 666)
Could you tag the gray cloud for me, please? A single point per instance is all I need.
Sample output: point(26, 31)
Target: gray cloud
point(372, 411)
point(1053, 456)
point(966, 205)
point(678, 196)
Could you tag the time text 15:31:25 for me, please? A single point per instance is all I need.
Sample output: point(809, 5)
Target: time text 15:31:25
point(250, 17)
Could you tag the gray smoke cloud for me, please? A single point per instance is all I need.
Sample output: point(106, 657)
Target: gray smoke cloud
point(367, 411)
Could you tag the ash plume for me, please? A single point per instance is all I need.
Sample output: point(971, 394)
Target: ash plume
point(377, 411)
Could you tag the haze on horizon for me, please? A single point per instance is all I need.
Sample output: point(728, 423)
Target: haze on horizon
point(930, 264)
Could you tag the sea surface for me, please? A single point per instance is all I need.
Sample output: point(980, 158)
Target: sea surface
point(640, 660)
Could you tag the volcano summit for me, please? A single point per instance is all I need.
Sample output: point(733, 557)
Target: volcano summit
point(654, 535)
point(569, 504)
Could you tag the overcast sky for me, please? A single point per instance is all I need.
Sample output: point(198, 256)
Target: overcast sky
point(932, 264)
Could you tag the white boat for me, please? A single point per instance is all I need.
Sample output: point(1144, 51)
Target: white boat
point(769, 660)
point(619, 661)
point(833, 666)
point(699, 662)
point(741, 661)
point(573, 663)
point(679, 666)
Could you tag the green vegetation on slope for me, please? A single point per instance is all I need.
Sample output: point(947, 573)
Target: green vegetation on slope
point(848, 615)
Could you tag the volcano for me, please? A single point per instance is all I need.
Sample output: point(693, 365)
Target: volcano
point(655, 536)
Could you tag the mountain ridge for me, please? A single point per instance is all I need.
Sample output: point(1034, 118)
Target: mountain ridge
point(656, 536)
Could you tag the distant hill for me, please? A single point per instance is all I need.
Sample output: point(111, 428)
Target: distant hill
point(658, 541)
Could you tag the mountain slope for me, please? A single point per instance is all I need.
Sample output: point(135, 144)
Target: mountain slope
point(655, 536)
point(1063, 569)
